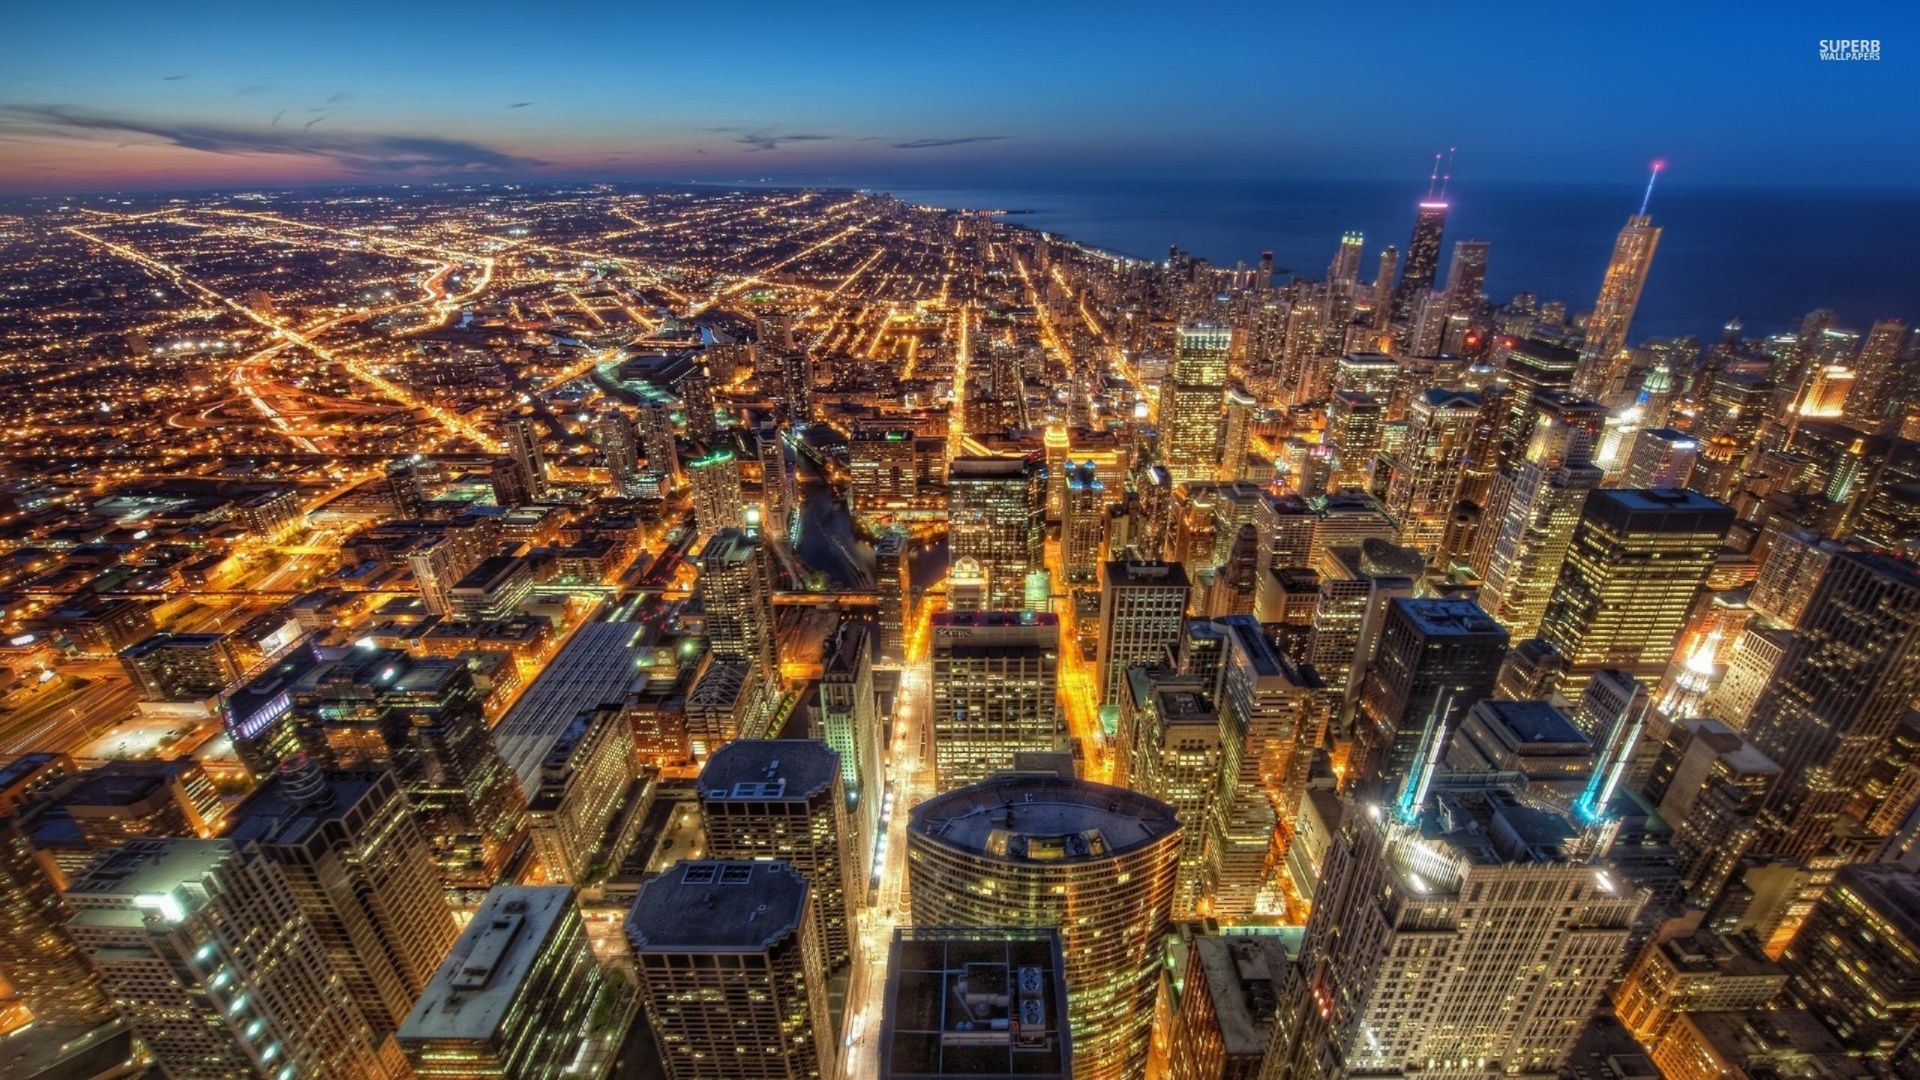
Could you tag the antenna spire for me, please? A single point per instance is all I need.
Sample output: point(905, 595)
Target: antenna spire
point(1434, 177)
point(1644, 199)
point(1448, 175)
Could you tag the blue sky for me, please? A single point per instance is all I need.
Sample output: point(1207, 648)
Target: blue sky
point(119, 94)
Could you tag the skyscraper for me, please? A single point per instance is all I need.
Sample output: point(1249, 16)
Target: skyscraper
point(513, 994)
point(1083, 523)
point(37, 957)
point(1871, 404)
point(783, 800)
point(1438, 654)
point(1466, 276)
point(776, 483)
point(1660, 458)
point(892, 579)
point(717, 502)
point(1346, 259)
point(1423, 256)
point(655, 428)
point(1538, 507)
point(1836, 695)
point(731, 972)
point(1464, 932)
point(1142, 610)
point(1443, 436)
point(1191, 401)
point(736, 586)
point(352, 851)
point(1094, 861)
point(1631, 571)
point(1601, 361)
point(1353, 433)
point(1273, 715)
point(619, 449)
point(995, 691)
point(1169, 747)
point(1853, 963)
point(848, 719)
point(207, 953)
point(1383, 286)
point(997, 515)
point(522, 440)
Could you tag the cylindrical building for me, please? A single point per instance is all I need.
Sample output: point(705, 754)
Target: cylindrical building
point(1096, 862)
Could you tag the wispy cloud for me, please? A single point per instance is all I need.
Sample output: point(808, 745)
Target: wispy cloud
point(171, 78)
point(371, 154)
point(928, 144)
point(338, 96)
point(519, 104)
point(758, 139)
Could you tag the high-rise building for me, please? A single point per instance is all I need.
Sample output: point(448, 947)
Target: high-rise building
point(1083, 523)
point(997, 515)
point(1437, 656)
point(1601, 356)
point(1458, 932)
point(717, 502)
point(1423, 256)
point(174, 667)
point(37, 957)
point(1191, 401)
point(1444, 438)
point(205, 950)
point(995, 691)
point(977, 1003)
point(513, 996)
point(1855, 962)
point(893, 580)
point(351, 849)
point(696, 391)
point(522, 439)
point(655, 428)
point(1792, 570)
point(1273, 716)
point(1701, 972)
point(1837, 693)
point(783, 800)
point(1237, 435)
point(1346, 259)
point(1537, 508)
point(1093, 861)
point(1383, 280)
point(849, 720)
point(1168, 747)
point(1529, 672)
point(1225, 1022)
point(776, 483)
point(1143, 607)
point(1873, 405)
point(883, 465)
point(619, 449)
point(1466, 276)
point(1356, 584)
point(1748, 673)
point(1709, 784)
point(1631, 571)
point(1353, 433)
point(583, 784)
point(1660, 458)
point(736, 587)
point(732, 973)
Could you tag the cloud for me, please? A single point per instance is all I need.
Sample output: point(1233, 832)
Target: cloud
point(276, 117)
point(370, 154)
point(757, 139)
point(519, 104)
point(171, 78)
point(928, 144)
point(339, 96)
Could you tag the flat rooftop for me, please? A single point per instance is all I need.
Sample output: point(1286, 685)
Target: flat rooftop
point(986, 1004)
point(1449, 616)
point(1042, 819)
point(1244, 976)
point(472, 994)
point(769, 770)
point(600, 665)
point(717, 906)
point(272, 815)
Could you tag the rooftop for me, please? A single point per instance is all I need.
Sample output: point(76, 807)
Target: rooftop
point(978, 1003)
point(762, 770)
point(1042, 819)
point(1123, 574)
point(470, 997)
point(1449, 616)
point(600, 665)
point(1244, 976)
point(273, 814)
point(717, 907)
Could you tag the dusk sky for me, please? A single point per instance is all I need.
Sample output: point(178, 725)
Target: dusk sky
point(116, 95)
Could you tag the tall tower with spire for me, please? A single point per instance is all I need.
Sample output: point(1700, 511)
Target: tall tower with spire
point(1423, 251)
point(1601, 358)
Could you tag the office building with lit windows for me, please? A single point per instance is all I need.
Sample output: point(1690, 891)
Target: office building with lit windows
point(1192, 402)
point(206, 952)
point(513, 997)
point(351, 848)
point(717, 502)
point(997, 516)
point(783, 799)
point(1096, 862)
point(1143, 609)
point(583, 783)
point(1632, 567)
point(37, 956)
point(995, 691)
point(731, 972)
